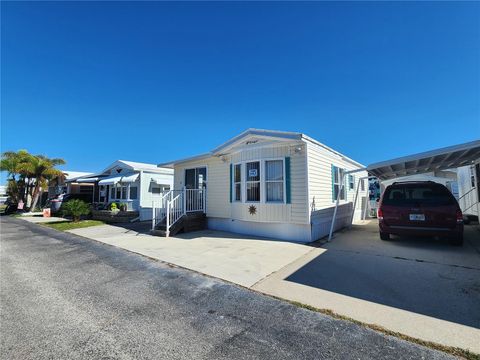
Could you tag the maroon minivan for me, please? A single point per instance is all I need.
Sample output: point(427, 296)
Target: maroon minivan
point(422, 208)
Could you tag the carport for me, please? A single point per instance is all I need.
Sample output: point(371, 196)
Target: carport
point(430, 161)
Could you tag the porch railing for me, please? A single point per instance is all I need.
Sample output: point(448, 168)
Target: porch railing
point(173, 204)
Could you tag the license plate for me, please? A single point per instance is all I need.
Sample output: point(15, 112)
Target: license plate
point(417, 217)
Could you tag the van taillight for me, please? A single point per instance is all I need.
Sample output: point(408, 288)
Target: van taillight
point(459, 216)
point(380, 214)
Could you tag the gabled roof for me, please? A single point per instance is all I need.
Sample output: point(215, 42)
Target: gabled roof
point(137, 166)
point(70, 175)
point(256, 135)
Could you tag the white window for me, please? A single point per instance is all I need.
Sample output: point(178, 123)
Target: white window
point(362, 184)
point(118, 192)
point(252, 176)
point(237, 182)
point(338, 175)
point(351, 182)
point(274, 180)
point(133, 193)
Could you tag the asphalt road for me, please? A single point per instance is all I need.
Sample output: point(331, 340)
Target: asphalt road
point(66, 297)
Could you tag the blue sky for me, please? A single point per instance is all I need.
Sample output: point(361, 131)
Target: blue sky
point(93, 82)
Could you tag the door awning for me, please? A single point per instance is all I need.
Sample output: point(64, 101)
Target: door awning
point(119, 179)
point(440, 159)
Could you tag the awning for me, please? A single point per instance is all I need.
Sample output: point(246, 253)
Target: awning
point(441, 159)
point(158, 181)
point(86, 180)
point(119, 179)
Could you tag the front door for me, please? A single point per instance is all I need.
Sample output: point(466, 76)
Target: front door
point(196, 182)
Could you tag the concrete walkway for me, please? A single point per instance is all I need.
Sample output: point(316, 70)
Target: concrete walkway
point(236, 258)
point(39, 219)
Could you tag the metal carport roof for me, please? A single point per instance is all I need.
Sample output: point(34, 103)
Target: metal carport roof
point(440, 159)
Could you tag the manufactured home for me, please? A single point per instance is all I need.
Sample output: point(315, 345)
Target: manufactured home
point(469, 189)
point(281, 185)
point(135, 184)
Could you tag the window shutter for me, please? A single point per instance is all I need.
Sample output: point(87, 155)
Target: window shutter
point(231, 181)
point(333, 184)
point(287, 181)
point(345, 183)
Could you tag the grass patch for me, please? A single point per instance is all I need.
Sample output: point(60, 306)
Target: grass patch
point(465, 354)
point(68, 225)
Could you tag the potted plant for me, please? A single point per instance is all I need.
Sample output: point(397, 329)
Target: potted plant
point(114, 208)
point(123, 207)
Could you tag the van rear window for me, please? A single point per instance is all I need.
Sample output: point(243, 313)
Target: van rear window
point(418, 194)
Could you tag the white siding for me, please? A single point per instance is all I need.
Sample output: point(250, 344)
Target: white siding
point(145, 191)
point(218, 186)
point(218, 177)
point(320, 189)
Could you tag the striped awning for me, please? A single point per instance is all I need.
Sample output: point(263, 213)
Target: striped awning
point(119, 179)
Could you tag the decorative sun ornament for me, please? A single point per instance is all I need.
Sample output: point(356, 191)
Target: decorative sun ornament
point(252, 209)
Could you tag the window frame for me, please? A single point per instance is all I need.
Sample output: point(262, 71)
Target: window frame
point(335, 195)
point(262, 181)
point(259, 181)
point(124, 189)
point(275, 181)
point(351, 182)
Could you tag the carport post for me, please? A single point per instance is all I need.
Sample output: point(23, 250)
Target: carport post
point(336, 206)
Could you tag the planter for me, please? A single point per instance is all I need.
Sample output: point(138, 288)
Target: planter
point(115, 216)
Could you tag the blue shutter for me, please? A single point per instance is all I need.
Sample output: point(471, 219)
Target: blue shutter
point(334, 198)
point(287, 181)
point(231, 183)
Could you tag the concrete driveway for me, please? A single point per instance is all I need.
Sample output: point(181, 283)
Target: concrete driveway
point(424, 288)
point(240, 259)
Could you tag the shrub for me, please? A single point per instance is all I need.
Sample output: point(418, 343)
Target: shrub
point(113, 206)
point(75, 208)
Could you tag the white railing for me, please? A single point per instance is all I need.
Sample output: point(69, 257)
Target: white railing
point(194, 200)
point(159, 208)
point(173, 204)
point(175, 211)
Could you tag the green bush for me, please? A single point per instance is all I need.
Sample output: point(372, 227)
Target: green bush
point(75, 208)
point(113, 206)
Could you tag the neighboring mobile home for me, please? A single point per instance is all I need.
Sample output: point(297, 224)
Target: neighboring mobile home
point(66, 184)
point(469, 189)
point(136, 184)
point(270, 183)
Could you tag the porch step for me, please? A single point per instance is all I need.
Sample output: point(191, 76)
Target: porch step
point(193, 221)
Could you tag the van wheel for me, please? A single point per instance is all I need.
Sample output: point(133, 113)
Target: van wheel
point(457, 240)
point(384, 236)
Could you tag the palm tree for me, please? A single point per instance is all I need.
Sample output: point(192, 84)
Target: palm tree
point(12, 162)
point(34, 172)
point(41, 169)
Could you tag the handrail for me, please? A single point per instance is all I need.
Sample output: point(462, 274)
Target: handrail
point(176, 203)
point(175, 212)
